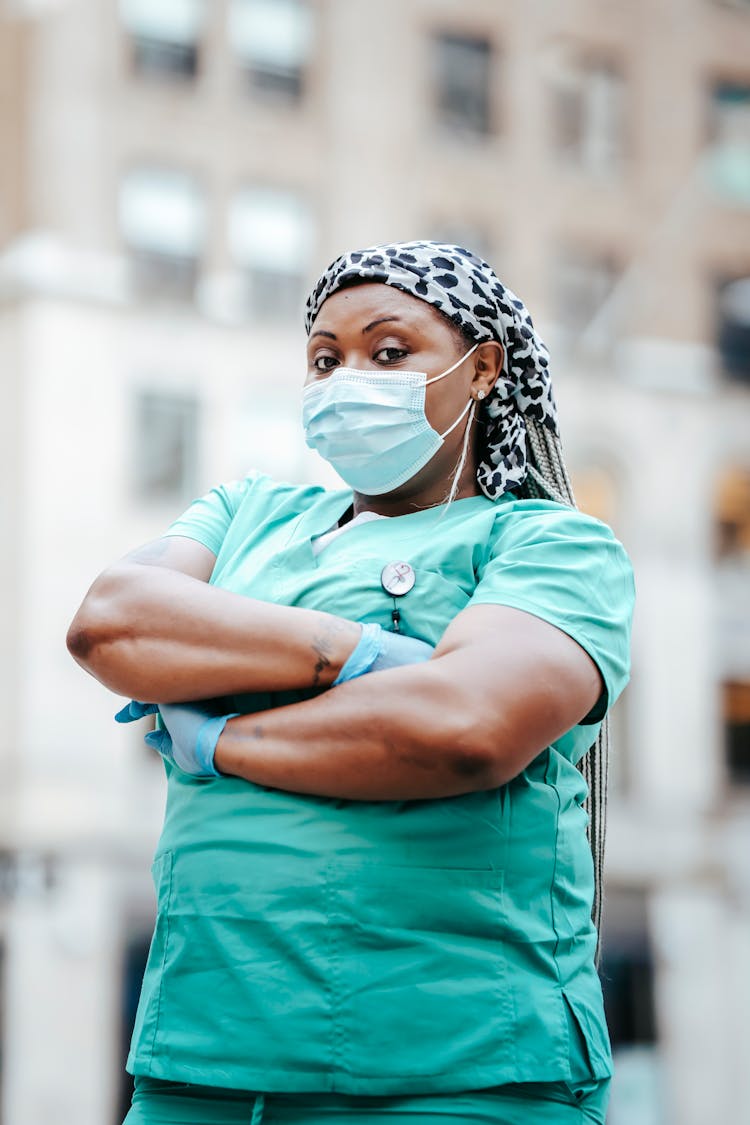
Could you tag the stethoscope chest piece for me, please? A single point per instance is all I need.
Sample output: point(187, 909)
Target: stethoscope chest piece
point(397, 578)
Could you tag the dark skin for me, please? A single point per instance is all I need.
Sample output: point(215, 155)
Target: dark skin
point(468, 719)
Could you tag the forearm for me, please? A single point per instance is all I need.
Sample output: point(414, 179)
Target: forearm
point(396, 735)
point(162, 636)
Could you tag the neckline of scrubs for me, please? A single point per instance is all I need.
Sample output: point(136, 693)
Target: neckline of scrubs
point(307, 528)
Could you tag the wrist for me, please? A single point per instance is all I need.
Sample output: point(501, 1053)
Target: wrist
point(363, 655)
point(207, 740)
point(224, 753)
point(242, 747)
point(345, 637)
point(333, 641)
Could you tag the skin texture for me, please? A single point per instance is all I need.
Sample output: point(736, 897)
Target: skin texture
point(150, 626)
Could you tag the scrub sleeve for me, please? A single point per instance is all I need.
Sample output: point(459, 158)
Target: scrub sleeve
point(570, 570)
point(351, 952)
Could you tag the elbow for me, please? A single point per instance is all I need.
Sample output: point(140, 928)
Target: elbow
point(80, 641)
point(97, 623)
point(499, 746)
point(475, 759)
point(85, 638)
point(470, 741)
point(473, 767)
point(451, 729)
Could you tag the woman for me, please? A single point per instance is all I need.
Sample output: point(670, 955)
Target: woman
point(374, 882)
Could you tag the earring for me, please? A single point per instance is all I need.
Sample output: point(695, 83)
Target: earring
point(481, 394)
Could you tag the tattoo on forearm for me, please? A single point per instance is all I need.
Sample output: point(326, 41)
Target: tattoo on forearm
point(323, 645)
point(320, 645)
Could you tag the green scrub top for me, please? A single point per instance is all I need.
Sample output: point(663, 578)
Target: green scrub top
point(308, 943)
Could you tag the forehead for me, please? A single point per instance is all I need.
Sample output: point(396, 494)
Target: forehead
point(369, 301)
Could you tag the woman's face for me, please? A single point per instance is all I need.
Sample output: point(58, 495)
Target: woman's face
point(374, 327)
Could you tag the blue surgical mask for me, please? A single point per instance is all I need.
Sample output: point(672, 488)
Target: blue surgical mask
point(371, 426)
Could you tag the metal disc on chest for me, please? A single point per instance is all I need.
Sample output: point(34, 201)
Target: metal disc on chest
point(397, 578)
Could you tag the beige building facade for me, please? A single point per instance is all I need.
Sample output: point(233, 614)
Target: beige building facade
point(172, 177)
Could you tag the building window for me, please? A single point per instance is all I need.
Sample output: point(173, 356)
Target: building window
point(273, 41)
point(271, 239)
point(584, 313)
point(588, 115)
point(736, 712)
point(628, 969)
point(162, 223)
point(166, 447)
point(164, 36)
point(733, 328)
point(729, 142)
point(732, 517)
point(462, 75)
point(628, 983)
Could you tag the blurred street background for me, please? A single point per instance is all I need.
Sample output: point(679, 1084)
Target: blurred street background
point(173, 175)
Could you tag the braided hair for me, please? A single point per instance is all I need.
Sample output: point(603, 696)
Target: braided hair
point(548, 478)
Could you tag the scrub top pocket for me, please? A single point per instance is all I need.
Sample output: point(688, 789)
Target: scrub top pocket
point(345, 579)
point(228, 987)
point(416, 955)
point(428, 609)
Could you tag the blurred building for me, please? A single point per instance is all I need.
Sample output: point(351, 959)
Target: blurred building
point(172, 175)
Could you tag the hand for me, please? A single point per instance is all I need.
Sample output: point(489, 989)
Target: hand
point(379, 650)
point(398, 649)
point(135, 710)
point(190, 734)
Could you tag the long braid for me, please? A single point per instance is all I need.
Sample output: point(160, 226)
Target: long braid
point(548, 478)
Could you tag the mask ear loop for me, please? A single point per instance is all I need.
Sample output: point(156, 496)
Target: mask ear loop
point(470, 408)
point(464, 450)
point(458, 363)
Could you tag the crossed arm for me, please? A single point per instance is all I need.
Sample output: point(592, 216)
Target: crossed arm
point(502, 684)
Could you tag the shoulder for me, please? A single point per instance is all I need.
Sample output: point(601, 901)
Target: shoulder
point(243, 503)
point(556, 531)
point(259, 489)
point(256, 494)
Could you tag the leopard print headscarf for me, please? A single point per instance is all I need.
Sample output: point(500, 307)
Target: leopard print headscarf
point(467, 290)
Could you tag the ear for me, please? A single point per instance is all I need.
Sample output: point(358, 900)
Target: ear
point(488, 364)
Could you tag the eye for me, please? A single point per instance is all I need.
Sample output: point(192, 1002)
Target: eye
point(324, 362)
point(390, 355)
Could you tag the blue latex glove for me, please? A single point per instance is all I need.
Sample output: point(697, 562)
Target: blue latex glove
point(190, 734)
point(378, 649)
point(135, 710)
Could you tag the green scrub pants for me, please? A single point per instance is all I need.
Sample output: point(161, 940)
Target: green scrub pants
point(544, 1103)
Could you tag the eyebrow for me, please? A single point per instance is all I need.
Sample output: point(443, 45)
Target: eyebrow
point(375, 323)
point(368, 328)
